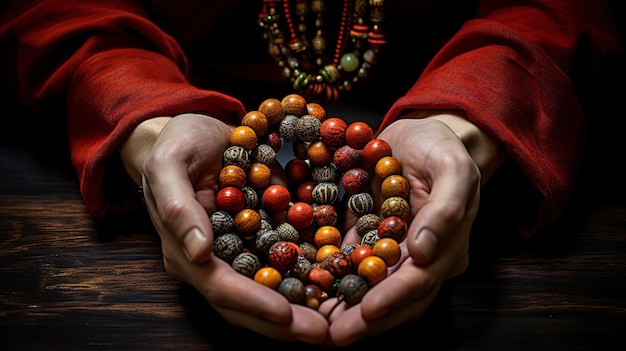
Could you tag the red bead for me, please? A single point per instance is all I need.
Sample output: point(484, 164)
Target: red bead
point(355, 180)
point(358, 254)
point(374, 150)
point(305, 191)
point(358, 134)
point(322, 278)
point(272, 138)
point(276, 198)
point(325, 215)
point(230, 199)
point(392, 227)
point(346, 157)
point(282, 255)
point(300, 215)
point(297, 171)
point(333, 132)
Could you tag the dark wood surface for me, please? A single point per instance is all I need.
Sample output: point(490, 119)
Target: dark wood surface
point(68, 283)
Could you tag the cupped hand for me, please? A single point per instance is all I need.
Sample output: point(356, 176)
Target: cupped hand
point(444, 197)
point(180, 179)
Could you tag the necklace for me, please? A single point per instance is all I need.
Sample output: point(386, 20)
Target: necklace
point(298, 40)
point(287, 237)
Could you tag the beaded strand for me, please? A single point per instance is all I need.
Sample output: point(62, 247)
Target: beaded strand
point(286, 236)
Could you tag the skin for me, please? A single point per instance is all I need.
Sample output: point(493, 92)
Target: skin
point(445, 158)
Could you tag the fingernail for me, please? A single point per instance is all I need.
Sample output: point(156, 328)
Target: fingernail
point(428, 242)
point(193, 243)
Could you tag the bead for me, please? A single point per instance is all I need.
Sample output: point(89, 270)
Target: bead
point(307, 234)
point(395, 206)
point(321, 277)
point(294, 104)
point(366, 223)
point(300, 215)
point(392, 227)
point(268, 276)
point(263, 153)
point(297, 171)
point(360, 204)
point(395, 185)
point(221, 222)
point(314, 296)
point(273, 110)
point(325, 251)
point(227, 247)
point(327, 235)
point(293, 289)
point(236, 155)
point(265, 240)
point(276, 198)
point(272, 138)
point(288, 232)
point(349, 62)
point(259, 175)
point(304, 192)
point(232, 175)
point(347, 250)
point(243, 136)
point(308, 128)
point(325, 173)
point(346, 157)
point(355, 180)
point(352, 288)
point(283, 255)
point(247, 264)
point(333, 132)
point(308, 251)
point(325, 215)
point(317, 110)
point(300, 148)
point(325, 193)
point(359, 253)
point(387, 249)
point(257, 121)
point(374, 150)
point(319, 153)
point(339, 264)
point(247, 222)
point(373, 269)
point(358, 134)
point(387, 166)
point(251, 197)
point(370, 238)
point(301, 268)
point(230, 199)
point(288, 128)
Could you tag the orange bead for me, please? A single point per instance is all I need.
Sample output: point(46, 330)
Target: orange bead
point(373, 269)
point(395, 185)
point(259, 175)
point(315, 109)
point(243, 136)
point(387, 166)
point(257, 121)
point(327, 235)
point(273, 110)
point(388, 249)
point(268, 276)
point(396, 206)
point(325, 251)
point(247, 222)
point(294, 104)
point(232, 175)
point(319, 153)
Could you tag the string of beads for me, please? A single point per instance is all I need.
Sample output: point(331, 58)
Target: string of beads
point(286, 236)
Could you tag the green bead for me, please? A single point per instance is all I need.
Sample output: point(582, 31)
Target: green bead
point(349, 62)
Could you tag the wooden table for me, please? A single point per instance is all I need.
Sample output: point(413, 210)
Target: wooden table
point(68, 283)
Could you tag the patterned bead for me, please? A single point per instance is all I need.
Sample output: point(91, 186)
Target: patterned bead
point(300, 148)
point(360, 204)
point(221, 222)
point(355, 180)
point(325, 193)
point(325, 215)
point(395, 206)
point(333, 132)
point(247, 264)
point(348, 249)
point(325, 173)
point(346, 157)
point(288, 128)
point(236, 155)
point(227, 246)
point(392, 227)
point(308, 251)
point(265, 240)
point(272, 138)
point(308, 128)
point(370, 238)
point(251, 197)
point(367, 223)
point(395, 185)
point(263, 153)
point(282, 255)
point(288, 232)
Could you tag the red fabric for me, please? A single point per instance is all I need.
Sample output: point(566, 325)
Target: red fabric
point(508, 69)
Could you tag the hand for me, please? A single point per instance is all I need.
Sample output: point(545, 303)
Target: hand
point(445, 189)
point(180, 179)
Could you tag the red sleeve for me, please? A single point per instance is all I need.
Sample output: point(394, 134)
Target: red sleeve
point(508, 70)
point(114, 67)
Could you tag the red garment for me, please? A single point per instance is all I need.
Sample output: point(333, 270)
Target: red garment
point(115, 67)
